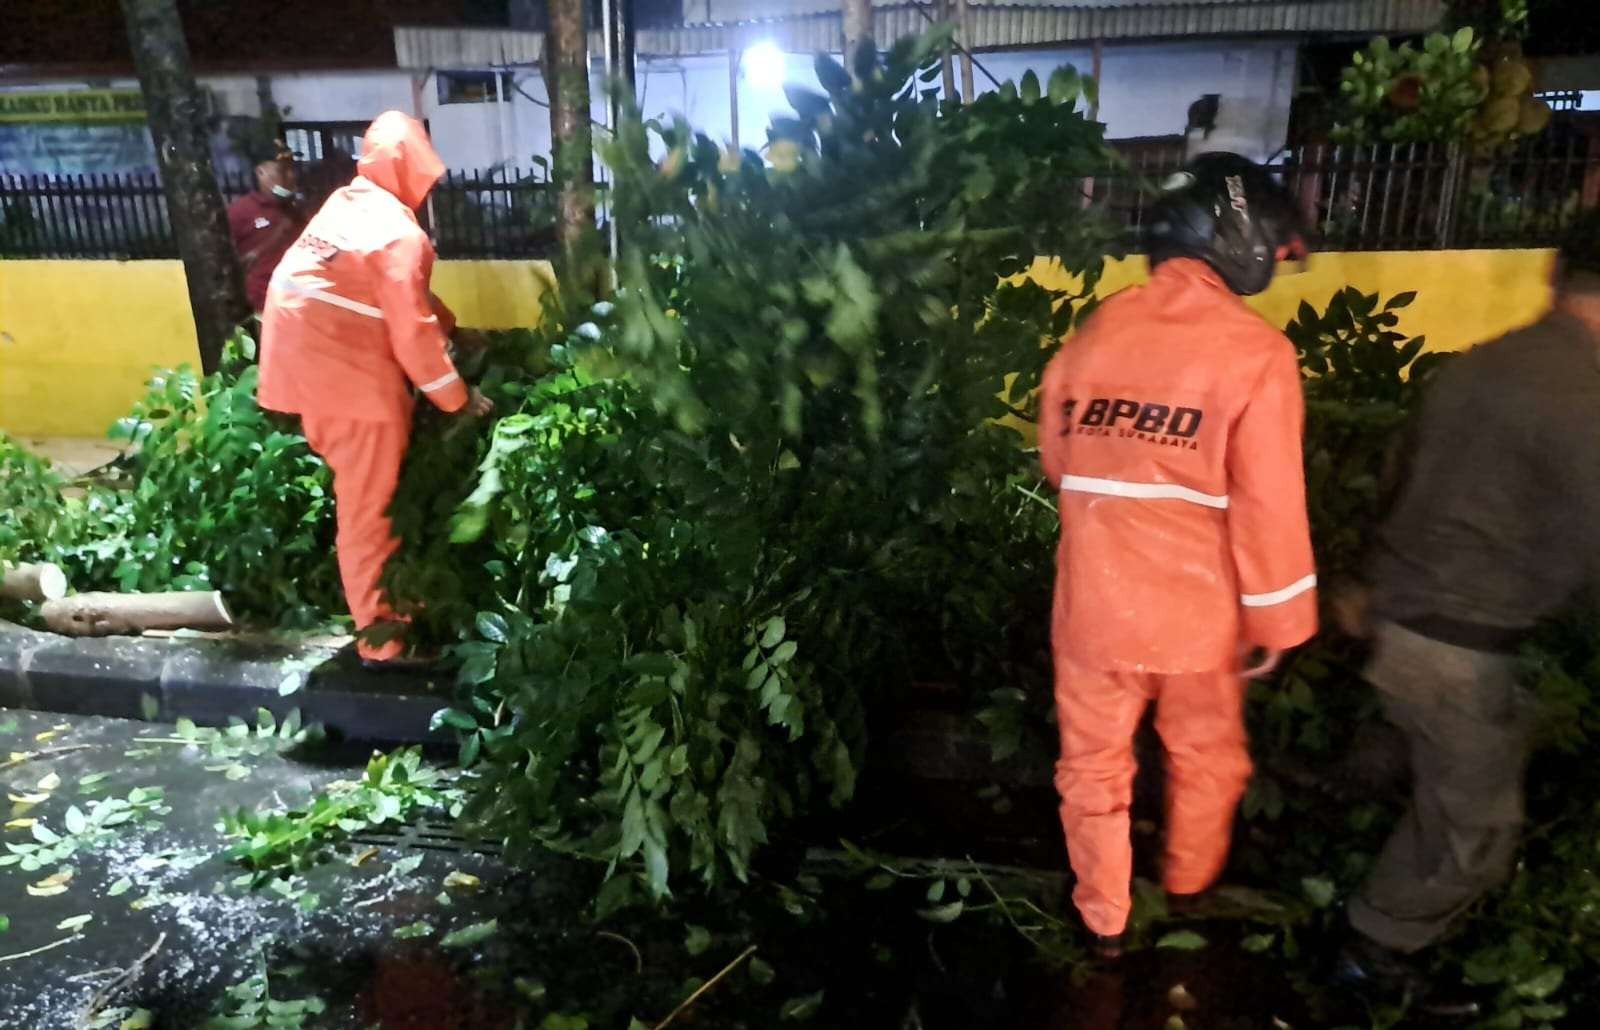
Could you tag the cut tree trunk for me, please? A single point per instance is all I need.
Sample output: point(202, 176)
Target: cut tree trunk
point(106, 615)
point(177, 117)
point(566, 67)
point(35, 583)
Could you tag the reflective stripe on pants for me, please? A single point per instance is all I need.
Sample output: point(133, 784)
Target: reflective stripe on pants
point(1200, 717)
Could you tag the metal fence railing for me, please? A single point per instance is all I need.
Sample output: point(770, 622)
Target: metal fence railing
point(1384, 197)
point(1403, 196)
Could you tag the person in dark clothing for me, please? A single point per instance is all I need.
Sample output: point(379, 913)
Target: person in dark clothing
point(1494, 528)
point(264, 225)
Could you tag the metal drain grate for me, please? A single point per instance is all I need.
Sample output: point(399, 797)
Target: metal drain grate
point(427, 836)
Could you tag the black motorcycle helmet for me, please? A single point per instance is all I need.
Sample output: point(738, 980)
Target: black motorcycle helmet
point(1228, 212)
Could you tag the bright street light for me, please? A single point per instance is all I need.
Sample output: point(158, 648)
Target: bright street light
point(764, 65)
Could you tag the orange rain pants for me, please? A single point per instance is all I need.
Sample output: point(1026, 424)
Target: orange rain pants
point(365, 458)
point(1200, 717)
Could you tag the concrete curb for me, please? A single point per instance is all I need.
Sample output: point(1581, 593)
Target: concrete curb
point(211, 681)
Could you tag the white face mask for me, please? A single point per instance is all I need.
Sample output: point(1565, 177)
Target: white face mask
point(282, 191)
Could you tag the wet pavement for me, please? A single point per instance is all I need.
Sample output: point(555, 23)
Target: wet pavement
point(153, 920)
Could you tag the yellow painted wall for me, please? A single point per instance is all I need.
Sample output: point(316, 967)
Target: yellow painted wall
point(78, 339)
point(1464, 297)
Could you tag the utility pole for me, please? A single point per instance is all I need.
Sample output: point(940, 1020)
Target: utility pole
point(857, 30)
point(177, 119)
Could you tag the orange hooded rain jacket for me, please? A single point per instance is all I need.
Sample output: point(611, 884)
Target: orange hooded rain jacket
point(350, 325)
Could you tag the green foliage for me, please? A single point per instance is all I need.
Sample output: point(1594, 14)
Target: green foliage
point(1408, 95)
point(766, 488)
point(220, 496)
point(273, 843)
point(250, 1004)
point(93, 826)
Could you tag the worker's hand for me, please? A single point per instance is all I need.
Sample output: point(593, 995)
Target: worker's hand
point(1258, 662)
point(1349, 604)
point(477, 405)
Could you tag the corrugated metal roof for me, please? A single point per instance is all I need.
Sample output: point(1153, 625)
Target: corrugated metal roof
point(731, 12)
point(992, 26)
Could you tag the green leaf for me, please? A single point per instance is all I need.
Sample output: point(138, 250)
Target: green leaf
point(772, 632)
point(1028, 88)
point(414, 930)
point(1257, 942)
point(5, 923)
point(1543, 985)
point(73, 924)
point(75, 821)
point(761, 972)
point(698, 939)
point(467, 936)
point(454, 718)
point(1182, 940)
point(1318, 890)
point(119, 888)
point(290, 683)
point(149, 707)
point(492, 626)
point(802, 1008)
point(943, 913)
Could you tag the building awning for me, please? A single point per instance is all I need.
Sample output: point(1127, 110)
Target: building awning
point(992, 27)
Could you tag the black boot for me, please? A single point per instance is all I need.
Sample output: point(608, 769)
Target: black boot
point(1386, 976)
point(1107, 947)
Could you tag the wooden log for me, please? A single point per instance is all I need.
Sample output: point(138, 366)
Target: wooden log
point(35, 582)
point(103, 615)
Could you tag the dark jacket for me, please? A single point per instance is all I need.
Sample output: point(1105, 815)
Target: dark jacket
point(1498, 522)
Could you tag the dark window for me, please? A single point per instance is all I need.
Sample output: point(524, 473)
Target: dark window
point(473, 87)
point(316, 141)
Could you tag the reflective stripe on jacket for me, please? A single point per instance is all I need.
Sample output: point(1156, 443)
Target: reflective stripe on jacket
point(350, 325)
point(1171, 423)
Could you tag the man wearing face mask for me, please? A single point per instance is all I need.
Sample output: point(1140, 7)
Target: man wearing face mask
point(351, 335)
point(264, 224)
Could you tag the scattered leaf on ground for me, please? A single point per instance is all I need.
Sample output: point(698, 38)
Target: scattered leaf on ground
point(470, 935)
point(74, 923)
point(1182, 940)
point(119, 888)
point(50, 782)
point(801, 1008)
point(762, 972)
point(362, 856)
point(415, 930)
point(458, 880)
point(697, 940)
point(405, 866)
point(19, 824)
point(1180, 999)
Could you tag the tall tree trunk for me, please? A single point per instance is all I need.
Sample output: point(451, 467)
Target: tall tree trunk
point(968, 92)
point(857, 30)
point(183, 152)
point(566, 69)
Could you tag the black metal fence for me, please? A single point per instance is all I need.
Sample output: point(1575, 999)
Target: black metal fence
point(1386, 197)
point(1404, 196)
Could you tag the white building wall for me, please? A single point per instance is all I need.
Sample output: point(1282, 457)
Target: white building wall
point(1146, 90)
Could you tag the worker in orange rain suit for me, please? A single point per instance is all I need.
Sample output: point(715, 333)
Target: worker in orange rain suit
point(1171, 423)
point(349, 328)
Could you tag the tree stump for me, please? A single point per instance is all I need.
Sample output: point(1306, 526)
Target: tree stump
point(37, 582)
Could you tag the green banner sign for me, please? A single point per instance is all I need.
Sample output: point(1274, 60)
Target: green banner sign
point(78, 105)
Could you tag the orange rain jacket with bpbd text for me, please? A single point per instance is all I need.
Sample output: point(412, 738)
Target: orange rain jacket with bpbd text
point(350, 325)
point(1171, 424)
